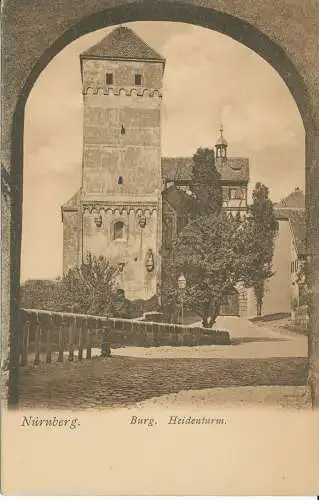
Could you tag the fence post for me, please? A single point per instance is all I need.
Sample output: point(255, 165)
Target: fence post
point(71, 332)
point(88, 340)
point(38, 332)
point(80, 356)
point(105, 346)
point(25, 343)
point(61, 339)
point(48, 342)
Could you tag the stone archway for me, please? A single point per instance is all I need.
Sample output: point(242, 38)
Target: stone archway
point(285, 35)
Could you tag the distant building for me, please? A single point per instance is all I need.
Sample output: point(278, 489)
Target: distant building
point(234, 173)
point(289, 252)
point(297, 223)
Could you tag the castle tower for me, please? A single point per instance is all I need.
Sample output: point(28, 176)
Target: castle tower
point(122, 81)
point(121, 171)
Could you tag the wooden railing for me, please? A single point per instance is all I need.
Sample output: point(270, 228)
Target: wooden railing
point(46, 333)
point(48, 336)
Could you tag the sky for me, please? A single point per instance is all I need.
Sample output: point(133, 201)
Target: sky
point(209, 80)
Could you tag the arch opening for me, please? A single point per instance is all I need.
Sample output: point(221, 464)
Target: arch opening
point(235, 28)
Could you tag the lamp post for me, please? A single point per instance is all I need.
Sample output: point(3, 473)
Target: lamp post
point(181, 282)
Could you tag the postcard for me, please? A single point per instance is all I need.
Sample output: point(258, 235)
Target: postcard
point(160, 272)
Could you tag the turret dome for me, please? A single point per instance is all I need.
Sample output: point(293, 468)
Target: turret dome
point(221, 145)
point(221, 141)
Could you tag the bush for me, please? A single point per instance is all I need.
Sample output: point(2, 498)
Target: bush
point(40, 294)
point(87, 289)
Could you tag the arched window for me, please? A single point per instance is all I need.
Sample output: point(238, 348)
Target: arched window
point(119, 230)
point(120, 180)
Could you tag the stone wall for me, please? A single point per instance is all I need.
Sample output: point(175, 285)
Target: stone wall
point(122, 136)
point(300, 318)
point(146, 333)
point(71, 239)
point(137, 278)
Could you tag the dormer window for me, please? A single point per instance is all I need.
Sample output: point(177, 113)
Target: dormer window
point(109, 78)
point(138, 79)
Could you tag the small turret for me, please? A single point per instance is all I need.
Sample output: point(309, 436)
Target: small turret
point(221, 145)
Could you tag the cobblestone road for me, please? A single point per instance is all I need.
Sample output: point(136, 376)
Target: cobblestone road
point(263, 356)
point(124, 380)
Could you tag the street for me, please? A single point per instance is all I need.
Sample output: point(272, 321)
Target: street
point(265, 366)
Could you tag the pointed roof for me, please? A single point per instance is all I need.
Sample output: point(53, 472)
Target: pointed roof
point(123, 44)
point(296, 199)
point(179, 169)
point(290, 205)
point(73, 203)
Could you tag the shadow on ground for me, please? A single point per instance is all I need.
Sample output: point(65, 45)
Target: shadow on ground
point(245, 340)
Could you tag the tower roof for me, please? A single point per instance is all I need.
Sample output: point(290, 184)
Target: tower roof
point(291, 205)
point(123, 44)
point(296, 199)
point(179, 170)
point(221, 141)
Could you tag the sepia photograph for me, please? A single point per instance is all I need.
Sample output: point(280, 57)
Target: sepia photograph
point(160, 211)
point(163, 241)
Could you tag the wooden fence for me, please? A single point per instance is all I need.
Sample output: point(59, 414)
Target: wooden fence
point(54, 336)
point(46, 332)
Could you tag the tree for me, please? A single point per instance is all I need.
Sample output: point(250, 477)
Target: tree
point(210, 251)
point(264, 227)
point(206, 199)
point(215, 250)
point(303, 282)
point(88, 288)
point(205, 184)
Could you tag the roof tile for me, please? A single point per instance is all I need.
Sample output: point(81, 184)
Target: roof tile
point(123, 43)
point(296, 199)
point(180, 168)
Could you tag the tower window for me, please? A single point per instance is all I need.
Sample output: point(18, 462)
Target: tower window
point(138, 79)
point(122, 130)
point(119, 230)
point(120, 180)
point(109, 78)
